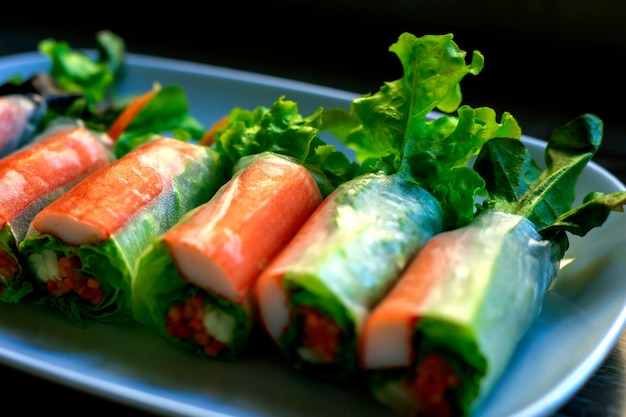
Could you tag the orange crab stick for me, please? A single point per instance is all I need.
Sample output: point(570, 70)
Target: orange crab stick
point(33, 177)
point(220, 248)
point(224, 246)
point(387, 343)
point(84, 247)
point(388, 331)
point(94, 210)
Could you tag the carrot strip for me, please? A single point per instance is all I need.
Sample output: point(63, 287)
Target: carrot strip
point(225, 244)
point(209, 136)
point(126, 117)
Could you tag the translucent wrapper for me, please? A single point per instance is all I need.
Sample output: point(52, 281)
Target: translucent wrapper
point(20, 115)
point(193, 285)
point(313, 298)
point(30, 179)
point(84, 248)
point(457, 314)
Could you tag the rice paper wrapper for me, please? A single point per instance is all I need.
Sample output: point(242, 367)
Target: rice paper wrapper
point(114, 261)
point(480, 306)
point(370, 228)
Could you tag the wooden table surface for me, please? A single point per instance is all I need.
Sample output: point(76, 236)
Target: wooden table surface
point(543, 65)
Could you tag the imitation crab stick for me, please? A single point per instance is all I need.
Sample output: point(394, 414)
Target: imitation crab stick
point(315, 295)
point(83, 248)
point(34, 176)
point(195, 282)
point(441, 338)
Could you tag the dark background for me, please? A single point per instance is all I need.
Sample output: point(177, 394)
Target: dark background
point(546, 62)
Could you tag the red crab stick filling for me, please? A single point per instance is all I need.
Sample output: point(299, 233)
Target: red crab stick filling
point(226, 243)
point(62, 158)
point(31, 175)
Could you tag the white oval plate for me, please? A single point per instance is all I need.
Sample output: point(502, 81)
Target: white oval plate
point(133, 366)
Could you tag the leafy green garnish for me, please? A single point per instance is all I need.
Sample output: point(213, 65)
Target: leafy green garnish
point(516, 184)
point(88, 81)
point(167, 112)
point(75, 71)
point(394, 131)
point(283, 130)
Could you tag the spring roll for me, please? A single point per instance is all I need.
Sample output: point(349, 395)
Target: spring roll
point(439, 341)
point(20, 115)
point(33, 177)
point(83, 249)
point(448, 328)
point(414, 182)
point(194, 284)
point(313, 297)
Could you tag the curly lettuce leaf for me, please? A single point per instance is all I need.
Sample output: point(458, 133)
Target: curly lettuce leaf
point(283, 130)
point(280, 129)
point(393, 131)
point(381, 124)
point(517, 184)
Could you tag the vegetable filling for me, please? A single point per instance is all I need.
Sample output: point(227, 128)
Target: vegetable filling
point(8, 269)
point(210, 327)
point(60, 275)
point(432, 380)
point(321, 336)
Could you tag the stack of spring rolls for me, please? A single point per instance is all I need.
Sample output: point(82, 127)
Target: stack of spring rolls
point(33, 177)
point(83, 199)
point(42, 156)
point(386, 268)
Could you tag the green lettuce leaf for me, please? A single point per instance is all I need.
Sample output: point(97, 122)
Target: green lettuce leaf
point(87, 82)
point(283, 130)
point(167, 113)
point(75, 71)
point(517, 184)
point(12, 290)
point(395, 130)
